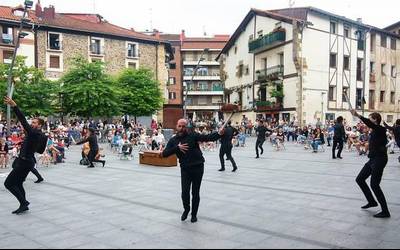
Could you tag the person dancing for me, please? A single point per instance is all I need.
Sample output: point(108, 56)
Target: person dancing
point(26, 161)
point(338, 138)
point(396, 132)
point(261, 131)
point(378, 158)
point(227, 146)
point(94, 148)
point(185, 145)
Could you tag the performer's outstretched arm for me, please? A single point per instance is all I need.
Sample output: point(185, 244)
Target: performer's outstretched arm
point(388, 127)
point(19, 114)
point(171, 149)
point(206, 138)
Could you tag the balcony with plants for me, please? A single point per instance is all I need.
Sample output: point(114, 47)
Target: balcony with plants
point(267, 41)
point(274, 104)
point(270, 74)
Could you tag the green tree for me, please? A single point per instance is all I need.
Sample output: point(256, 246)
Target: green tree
point(36, 95)
point(142, 95)
point(87, 91)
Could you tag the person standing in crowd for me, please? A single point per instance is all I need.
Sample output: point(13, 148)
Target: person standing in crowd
point(338, 138)
point(396, 132)
point(26, 161)
point(378, 158)
point(186, 146)
point(261, 132)
point(94, 148)
point(227, 146)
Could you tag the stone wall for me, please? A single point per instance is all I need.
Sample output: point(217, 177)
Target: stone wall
point(73, 46)
point(115, 56)
point(148, 54)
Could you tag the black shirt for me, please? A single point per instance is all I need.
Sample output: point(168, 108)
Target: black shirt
point(94, 146)
point(31, 142)
point(340, 133)
point(230, 132)
point(377, 140)
point(261, 133)
point(193, 157)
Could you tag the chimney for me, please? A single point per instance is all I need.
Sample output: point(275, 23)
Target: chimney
point(38, 9)
point(50, 12)
point(156, 33)
point(183, 34)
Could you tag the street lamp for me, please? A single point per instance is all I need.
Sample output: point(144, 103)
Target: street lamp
point(206, 50)
point(21, 35)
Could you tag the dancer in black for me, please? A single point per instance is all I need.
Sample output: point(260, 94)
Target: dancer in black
point(378, 159)
point(26, 161)
point(261, 131)
point(338, 138)
point(396, 131)
point(94, 148)
point(186, 146)
point(227, 146)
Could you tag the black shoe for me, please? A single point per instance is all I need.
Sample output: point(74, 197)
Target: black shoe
point(257, 157)
point(39, 181)
point(194, 219)
point(21, 209)
point(262, 152)
point(90, 167)
point(369, 205)
point(104, 164)
point(334, 158)
point(234, 169)
point(340, 157)
point(382, 215)
point(222, 170)
point(184, 215)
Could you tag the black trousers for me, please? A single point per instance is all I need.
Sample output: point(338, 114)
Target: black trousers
point(92, 157)
point(259, 145)
point(15, 180)
point(191, 177)
point(337, 143)
point(373, 168)
point(226, 150)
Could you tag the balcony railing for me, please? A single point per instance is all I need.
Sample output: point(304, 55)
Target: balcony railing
point(214, 88)
point(270, 74)
point(267, 106)
point(267, 41)
point(7, 39)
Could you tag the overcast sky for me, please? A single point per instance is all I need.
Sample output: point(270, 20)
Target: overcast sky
point(213, 16)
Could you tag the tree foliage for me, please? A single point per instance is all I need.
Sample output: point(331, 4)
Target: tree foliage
point(87, 91)
point(141, 95)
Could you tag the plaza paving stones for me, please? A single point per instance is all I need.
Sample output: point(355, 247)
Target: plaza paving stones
point(287, 199)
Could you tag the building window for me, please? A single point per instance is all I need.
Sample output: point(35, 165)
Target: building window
point(383, 67)
point(383, 41)
point(333, 27)
point(346, 32)
point(382, 97)
point(260, 33)
point(54, 62)
point(95, 46)
point(393, 72)
point(359, 69)
point(131, 65)
point(393, 43)
point(203, 86)
point(251, 37)
point(372, 67)
point(7, 35)
point(345, 94)
point(373, 42)
point(333, 60)
point(7, 56)
point(172, 81)
point(202, 72)
point(392, 97)
point(132, 50)
point(372, 99)
point(236, 50)
point(172, 95)
point(359, 99)
point(172, 66)
point(346, 63)
point(240, 70)
point(54, 41)
point(332, 93)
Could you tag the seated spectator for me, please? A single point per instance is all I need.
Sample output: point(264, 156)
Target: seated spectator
point(362, 145)
point(318, 139)
point(3, 153)
point(158, 141)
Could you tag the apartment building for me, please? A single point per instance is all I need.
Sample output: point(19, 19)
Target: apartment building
point(307, 64)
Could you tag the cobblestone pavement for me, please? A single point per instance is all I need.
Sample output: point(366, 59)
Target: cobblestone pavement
point(287, 199)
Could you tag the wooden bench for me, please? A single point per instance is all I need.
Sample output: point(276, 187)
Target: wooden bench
point(152, 158)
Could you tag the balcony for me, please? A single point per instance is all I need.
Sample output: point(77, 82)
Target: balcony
point(267, 106)
point(267, 41)
point(7, 39)
point(210, 77)
point(270, 74)
point(202, 63)
point(204, 107)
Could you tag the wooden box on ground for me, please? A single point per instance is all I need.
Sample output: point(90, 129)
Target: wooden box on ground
point(152, 158)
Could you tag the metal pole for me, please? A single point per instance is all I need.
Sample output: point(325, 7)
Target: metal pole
point(10, 84)
point(364, 34)
point(191, 82)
